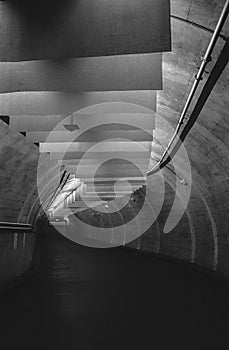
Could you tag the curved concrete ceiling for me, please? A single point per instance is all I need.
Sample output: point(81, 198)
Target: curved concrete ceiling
point(202, 236)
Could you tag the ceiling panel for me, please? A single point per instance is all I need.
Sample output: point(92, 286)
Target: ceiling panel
point(83, 121)
point(84, 28)
point(89, 136)
point(107, 172)
point(60, 103)
point(105, 146)
point(96, 155)
point(113, 73)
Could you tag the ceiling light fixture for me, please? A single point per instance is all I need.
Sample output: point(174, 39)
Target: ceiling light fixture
point(71, 127)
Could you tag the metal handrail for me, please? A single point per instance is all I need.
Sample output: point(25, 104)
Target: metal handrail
point(15, 226)
point(205, 60)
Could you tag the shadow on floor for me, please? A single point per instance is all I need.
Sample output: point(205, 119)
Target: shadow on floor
point(85, 298)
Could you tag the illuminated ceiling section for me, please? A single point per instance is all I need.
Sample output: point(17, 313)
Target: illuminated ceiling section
point(56, 123)
point(75, 156)
point(45, 104)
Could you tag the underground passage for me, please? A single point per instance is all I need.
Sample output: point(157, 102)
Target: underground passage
point(114, 174)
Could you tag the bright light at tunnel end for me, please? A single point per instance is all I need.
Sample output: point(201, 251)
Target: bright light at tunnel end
point(100, 237)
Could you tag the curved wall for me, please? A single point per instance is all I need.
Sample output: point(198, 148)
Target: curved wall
point(17, 175)
point(204, 238)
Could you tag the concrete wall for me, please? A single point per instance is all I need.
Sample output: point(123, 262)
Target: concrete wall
point(18, 160)
point(206, 218)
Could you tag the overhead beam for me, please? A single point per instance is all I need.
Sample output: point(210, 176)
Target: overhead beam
point(84, 28)
point(81, 204)
point(111, 73)
point(105, 197)
point(105, 146)
point(110, 172)
point(101, 159)
point(109, 189)
point(134, 181)
point(97, 135)
point(96, 155)
point(60, 103)
point(84, 122)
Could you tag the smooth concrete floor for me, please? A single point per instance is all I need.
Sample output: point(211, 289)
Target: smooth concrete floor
point(85, 298)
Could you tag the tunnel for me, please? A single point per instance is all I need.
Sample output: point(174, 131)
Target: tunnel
point(114, 175)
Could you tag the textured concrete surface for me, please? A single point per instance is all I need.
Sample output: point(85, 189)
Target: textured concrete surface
point(17, 175)
point(208, 142)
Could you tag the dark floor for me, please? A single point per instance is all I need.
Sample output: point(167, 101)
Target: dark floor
point(85, 298)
